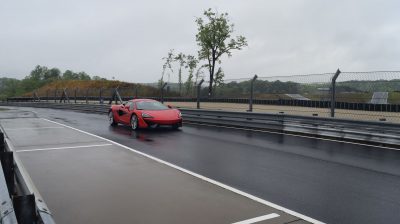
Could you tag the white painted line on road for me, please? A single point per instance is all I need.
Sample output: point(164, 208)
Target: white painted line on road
point(67, 147)
point(229, 188)
point(12, 129)
point(295, 135)
point(258, 219)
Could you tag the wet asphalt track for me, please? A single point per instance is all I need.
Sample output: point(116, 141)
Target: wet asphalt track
point(329, 181)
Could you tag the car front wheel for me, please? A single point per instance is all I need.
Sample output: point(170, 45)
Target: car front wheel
point(175, 126)
point(111, 119)
point(134, 122)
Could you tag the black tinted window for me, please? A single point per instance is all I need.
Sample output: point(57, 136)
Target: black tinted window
point(150, 105)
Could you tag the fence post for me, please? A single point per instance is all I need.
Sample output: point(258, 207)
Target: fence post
point(115, 96)
point(333, 92)
point(66, 95)
point(252, 93)
point(62, 96)
point(162, 92)
point(35, 96)
point(76, 89)
point(55, 96)
point(136, 91)
point(100, 95)
point(198, 93)
point(87, 93)
point(47, 95)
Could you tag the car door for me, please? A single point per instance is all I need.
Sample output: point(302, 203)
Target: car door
point(125, 112)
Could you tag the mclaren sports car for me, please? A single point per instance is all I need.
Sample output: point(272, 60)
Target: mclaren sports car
point(144, 113)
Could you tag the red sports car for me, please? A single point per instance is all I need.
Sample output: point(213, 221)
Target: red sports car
point(143, 113)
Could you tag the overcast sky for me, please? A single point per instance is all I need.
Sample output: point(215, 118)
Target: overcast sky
point(127, 39)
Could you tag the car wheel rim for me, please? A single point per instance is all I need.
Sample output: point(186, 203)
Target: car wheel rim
point(111, 118)
point(134, 122)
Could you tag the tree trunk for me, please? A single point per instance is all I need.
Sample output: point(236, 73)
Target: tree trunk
point(210, 87)
point(180, 81)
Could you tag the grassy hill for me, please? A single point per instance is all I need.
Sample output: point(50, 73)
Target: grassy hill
point(92, 88)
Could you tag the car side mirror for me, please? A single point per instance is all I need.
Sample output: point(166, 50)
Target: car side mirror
point(169, 106)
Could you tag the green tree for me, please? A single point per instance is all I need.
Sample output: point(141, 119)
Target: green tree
point(219, 78)
point(199, 74)
point(167, 66)
point(9, 87)
point(70, 75)
point(35, 79)
point(52, 74)
point(181, 59)
point(83, 76)
point(98, 78)
point(191, 63)
point(214, 40)
point(38, 73)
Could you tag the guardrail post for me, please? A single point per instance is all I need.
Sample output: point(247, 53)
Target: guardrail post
point(25, 208)
point(198, 93)
point(252, 93)
point(162, 92)
point(333, 92)
point(20, 203)
point(2, 142)
point(7, 162)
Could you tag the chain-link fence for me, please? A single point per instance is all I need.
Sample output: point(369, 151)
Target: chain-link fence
point(373, 96)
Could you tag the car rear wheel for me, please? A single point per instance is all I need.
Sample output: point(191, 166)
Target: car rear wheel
point(111, 119)
point(134, 122)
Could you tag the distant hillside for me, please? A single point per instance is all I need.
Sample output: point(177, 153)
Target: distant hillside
point(92, 88)
point(37, 78)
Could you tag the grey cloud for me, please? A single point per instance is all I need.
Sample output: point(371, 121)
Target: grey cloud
point(127, 39)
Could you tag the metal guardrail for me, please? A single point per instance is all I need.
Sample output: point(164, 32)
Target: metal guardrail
point(7, 213)
point(376, 133)
point(21, 202)
point(276, 102)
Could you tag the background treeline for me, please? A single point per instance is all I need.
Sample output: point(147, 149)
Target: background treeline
point(39, 77)
point(95, 88)
point(43, 79)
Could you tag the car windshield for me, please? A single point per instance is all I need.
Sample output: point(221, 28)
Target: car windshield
point(150, 105)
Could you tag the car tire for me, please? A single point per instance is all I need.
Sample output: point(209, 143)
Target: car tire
point(134, 122)
point(111, 119)
point(175, 127)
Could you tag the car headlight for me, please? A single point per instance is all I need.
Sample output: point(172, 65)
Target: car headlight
point(180, 115)
point(144, 115)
